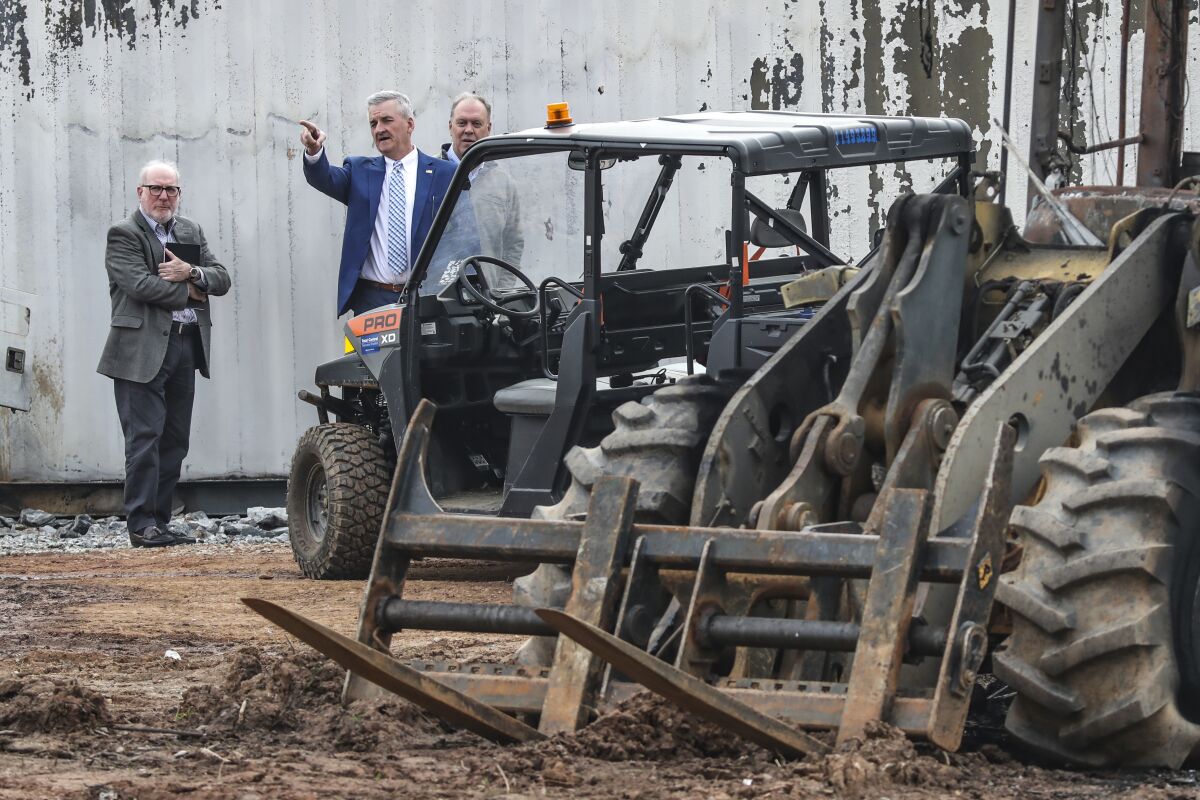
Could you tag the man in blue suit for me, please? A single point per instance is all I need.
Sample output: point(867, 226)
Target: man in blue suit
point(390, 199)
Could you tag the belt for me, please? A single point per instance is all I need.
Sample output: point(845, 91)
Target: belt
point(387, 287)
point(184, 327)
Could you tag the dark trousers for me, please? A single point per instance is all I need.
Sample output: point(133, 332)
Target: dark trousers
point(366, 297)
point(156, 418)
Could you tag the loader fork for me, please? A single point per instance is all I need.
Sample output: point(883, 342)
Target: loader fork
point(618, 566)
point(662, 607)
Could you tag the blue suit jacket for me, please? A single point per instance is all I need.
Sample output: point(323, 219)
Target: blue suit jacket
point(358, 183)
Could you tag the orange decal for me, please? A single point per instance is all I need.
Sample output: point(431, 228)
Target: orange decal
point(375, 322)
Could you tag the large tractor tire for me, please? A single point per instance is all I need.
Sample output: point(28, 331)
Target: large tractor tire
point(659, 442)
point(1105, 649)
point(337, 491)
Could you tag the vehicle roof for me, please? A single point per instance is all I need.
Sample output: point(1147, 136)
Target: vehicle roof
point(766, 141)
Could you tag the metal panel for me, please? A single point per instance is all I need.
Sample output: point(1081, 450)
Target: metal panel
point(92, 90)
point(1072, 362)
point(16, 357)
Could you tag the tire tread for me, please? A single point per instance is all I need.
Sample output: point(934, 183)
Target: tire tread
point(1100, 548)
point(358, 479)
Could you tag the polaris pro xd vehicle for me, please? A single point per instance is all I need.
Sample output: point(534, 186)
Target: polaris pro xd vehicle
point(573, 268)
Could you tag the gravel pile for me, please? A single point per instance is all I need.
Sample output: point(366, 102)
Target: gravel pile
point(36, 531)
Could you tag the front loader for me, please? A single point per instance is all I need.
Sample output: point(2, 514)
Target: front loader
point(981, 454)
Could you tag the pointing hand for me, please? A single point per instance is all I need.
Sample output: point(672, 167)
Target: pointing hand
point(312, 137)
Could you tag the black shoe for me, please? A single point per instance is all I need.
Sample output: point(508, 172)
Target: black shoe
point(150, 536)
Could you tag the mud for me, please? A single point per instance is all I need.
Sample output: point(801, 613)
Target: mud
point(885, 758)
point(91, 706)
point(51, 706)
point(263, 694)
point(646, 728)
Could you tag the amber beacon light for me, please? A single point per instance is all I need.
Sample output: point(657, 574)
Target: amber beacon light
point(557, 115)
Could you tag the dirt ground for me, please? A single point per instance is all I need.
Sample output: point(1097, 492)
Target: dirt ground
point(83, 658)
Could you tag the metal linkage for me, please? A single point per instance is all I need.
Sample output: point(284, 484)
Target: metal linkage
point(1026, 308)
point(905, 356)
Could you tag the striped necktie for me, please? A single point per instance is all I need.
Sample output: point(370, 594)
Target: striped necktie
point(397, 239)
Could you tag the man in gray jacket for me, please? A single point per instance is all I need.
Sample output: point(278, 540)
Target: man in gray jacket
point(494, 197)
point(158, 338)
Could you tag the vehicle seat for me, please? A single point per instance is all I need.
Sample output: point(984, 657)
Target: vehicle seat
point(528, 404)
point(534, 397)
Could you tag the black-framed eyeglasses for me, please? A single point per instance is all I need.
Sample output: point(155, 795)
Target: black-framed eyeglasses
point(156, 190)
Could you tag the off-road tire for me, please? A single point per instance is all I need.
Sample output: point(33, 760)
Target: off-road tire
point(1104, 600)
point(347, 461)
point(658, 441)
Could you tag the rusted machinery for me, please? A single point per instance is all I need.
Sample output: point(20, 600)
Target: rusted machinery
point(847, 533)
point(981, 454)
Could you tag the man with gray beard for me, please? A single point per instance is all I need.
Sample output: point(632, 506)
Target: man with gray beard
point(158, 339)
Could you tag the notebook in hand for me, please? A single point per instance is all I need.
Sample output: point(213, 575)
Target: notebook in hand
point(187, 252)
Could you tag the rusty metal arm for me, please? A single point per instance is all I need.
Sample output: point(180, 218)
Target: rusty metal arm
point(383, 670)
point(693, 693)
point(1065, 138)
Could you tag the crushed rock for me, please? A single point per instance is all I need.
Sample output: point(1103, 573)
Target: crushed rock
point(82, 532)
point(35, 517)
point(268, 519)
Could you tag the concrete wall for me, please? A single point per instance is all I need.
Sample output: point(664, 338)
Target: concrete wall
point(93, 88)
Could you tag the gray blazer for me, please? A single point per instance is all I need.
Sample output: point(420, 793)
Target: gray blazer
point(142, 302)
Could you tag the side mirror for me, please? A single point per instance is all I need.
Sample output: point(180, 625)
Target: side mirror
point(763, 233)
point(577, 160)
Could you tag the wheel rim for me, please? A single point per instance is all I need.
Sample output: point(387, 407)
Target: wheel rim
point(316, 503)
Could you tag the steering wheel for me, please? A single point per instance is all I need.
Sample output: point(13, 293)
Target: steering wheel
point(487, 302)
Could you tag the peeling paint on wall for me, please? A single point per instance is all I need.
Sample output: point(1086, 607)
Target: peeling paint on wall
point(970, 60)
point(68, 24)
point(14, 41)
point(70, 21)
point(760, 85)
point(1093, 34)
point(779, 86)
point(93, 88)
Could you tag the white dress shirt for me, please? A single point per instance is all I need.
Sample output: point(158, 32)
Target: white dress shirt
point(375, 268)
point(166, 235)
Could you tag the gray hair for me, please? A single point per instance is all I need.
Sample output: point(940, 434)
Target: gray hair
point(402, 101)
point(471, 96)
point(155, 164)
